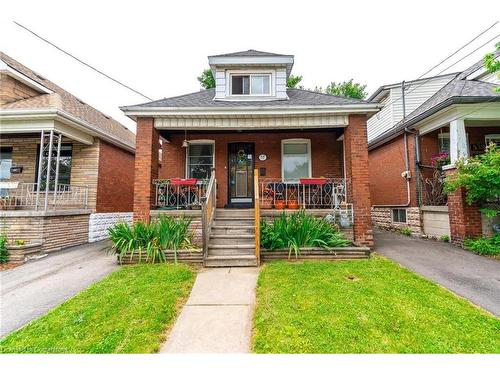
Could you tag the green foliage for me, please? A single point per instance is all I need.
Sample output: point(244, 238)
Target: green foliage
point(167, 233)
point(293, 81)
point(492, 64)
point(479, 175)
point(4, 253)
point(348, 89)
point(318, 307)
point(206, 79)
point(299, 230)
point(445, 238)
point(129, 311)
point(19, 242)
point(405, 231)
point(484, 246)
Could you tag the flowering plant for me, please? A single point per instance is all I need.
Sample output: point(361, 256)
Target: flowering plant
point(440, 160)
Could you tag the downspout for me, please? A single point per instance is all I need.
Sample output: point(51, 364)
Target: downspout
point(406, 173)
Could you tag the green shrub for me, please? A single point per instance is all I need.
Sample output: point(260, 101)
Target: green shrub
point(445, 238)
point(299, 230)
point(405, 230)
point(4, 253)
point(152, 239)
point(484, 246)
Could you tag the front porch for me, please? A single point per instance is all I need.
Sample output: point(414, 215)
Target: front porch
point(321, 169)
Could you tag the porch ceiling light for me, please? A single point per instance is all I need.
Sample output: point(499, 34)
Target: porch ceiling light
point(185, 143)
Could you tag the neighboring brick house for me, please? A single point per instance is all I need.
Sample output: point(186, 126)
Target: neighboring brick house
point(309, 149)
point(80, 183)
point(445, 117)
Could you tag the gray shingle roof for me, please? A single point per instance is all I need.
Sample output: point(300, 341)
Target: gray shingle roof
point(204, 98)
point(457, 91)
point(250, 52)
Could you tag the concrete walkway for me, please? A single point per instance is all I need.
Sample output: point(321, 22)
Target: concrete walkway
point(472, 276)
point(217, 317)
point(30, 290)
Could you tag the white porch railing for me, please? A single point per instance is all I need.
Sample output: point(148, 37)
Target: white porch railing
point(179, 193)
point(24, 196)
point(303, 193)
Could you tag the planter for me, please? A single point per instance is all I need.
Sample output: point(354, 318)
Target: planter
point(313, 181)
point(293, 205)
point(19, 253)
point(184, 181)
point(279, 205)
point(266, 204)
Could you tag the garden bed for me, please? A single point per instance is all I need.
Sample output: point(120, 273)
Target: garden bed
point(19, 253)
point(194, 256)
point(335, 253)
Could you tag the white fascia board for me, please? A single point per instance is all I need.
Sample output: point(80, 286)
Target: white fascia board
point(64, 118)
point(6, 69)
point(251, 111)
point(250, 60)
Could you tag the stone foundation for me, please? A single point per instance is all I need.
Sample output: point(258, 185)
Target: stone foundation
point(382, 218)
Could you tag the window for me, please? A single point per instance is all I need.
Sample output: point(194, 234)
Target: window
point(492, 138)
point(444, 142)
point(200, 160)
point(5, 163)
point(64, 165)
point(251, 84)
point(296, 159)
point(399, 215)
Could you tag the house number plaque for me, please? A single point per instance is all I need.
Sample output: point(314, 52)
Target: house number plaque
point(262, 157)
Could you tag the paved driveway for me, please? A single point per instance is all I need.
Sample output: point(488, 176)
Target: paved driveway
point(469, 275)
point(32, 289)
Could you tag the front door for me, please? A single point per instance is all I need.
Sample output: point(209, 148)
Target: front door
point(241, 161)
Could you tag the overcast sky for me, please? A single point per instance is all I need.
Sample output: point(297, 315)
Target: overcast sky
point(160, 48)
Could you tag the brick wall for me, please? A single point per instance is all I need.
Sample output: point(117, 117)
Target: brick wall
point(387, 162)
point(356, 146)
point(12, 90)
point(326, 155)
point(115, 184)
point(146, 167)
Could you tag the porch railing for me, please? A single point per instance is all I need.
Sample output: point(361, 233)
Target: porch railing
point(257, 214)
point(25, 196)
point(180, 194)
point(308, 193)
point(208, 205)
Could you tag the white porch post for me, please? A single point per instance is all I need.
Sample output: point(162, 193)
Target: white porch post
point(458, 140)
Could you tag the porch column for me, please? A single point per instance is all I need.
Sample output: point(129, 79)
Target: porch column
point(356, 166)
point(146, 167)
point(465, 219)
point(458, 140)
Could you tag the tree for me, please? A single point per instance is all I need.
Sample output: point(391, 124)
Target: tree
point(207, 80)
point(493, 64)
point(293, 81)
point(347, 89)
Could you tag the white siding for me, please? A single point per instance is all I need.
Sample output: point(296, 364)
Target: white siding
point(220, 83)
point(281, 84)
point(415, 95)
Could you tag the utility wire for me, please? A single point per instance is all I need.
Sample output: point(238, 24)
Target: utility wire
point(83, 62)
point(447, 58)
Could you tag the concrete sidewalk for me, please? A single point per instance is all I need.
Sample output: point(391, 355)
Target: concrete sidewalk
point(217, 317)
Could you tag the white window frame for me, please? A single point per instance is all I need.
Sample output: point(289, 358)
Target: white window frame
point(199, 142)
point(444, 136)
point(229, 80)
point(491, 138)
point(309, 154)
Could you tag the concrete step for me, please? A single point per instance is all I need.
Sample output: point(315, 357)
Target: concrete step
point(233, 221)
point(230, 252)
point(230, 229)
point(248, 213)
point(232, 239)
point(231, 261)
point(231, 246)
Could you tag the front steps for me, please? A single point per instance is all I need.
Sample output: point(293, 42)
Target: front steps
point(232, 239)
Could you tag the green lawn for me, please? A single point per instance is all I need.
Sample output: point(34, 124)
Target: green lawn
point(367, 306)
point(127, 312)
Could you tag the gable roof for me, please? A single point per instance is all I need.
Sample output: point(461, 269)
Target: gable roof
point(62, 100)
point(250, 52)
point(205, 99)
point(457, 91)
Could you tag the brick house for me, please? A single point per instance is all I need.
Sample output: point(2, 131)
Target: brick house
point(66, 168)
point(425, 124)
point(260, 141)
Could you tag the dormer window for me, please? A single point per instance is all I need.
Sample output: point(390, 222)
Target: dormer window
point(251, 84)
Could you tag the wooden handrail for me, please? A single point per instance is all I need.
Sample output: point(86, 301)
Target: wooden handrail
point(256, 214)
point(208, 205)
